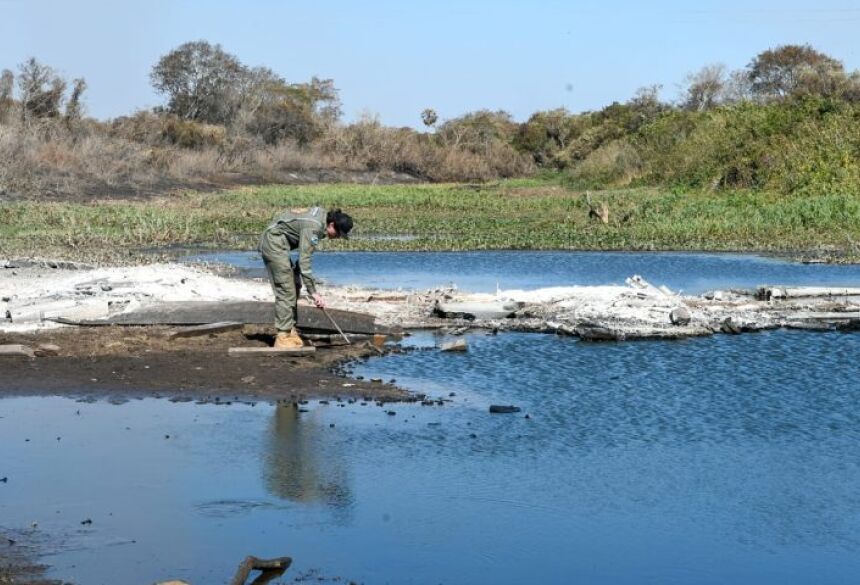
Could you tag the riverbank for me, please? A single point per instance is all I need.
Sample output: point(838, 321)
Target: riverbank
point(528, 214)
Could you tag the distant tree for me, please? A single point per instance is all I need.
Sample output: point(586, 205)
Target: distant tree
point(41, 90)
point(792, 70)
point(274, 110)
point(7, 87)
point(429, 117)
point(545, 134)
point(705, 88)
point(478, 130)
point(737, 87)
point(74, 107)
point(202, 82)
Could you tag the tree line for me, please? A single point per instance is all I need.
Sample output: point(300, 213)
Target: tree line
point(788, 121)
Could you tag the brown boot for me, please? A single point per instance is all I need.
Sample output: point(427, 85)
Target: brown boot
point(289, 340)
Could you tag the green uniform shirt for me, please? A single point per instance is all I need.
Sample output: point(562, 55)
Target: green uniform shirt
point(303, 230)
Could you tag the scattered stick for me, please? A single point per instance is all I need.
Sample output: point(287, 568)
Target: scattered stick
point(270, 568)
point(270, 351)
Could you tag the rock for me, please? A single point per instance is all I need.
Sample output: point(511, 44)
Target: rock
point(730, 326)
point(106, 287)
point(47, 349)
point(459, 345)
point(502, 409)
point(591, 332)
point(680, 316)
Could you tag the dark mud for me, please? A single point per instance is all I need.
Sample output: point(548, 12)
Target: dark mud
point(18, 551)
point(130, 362)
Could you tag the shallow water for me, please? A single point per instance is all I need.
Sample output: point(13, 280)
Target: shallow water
point(484, 271)
point(712, 460)
point(729, 459)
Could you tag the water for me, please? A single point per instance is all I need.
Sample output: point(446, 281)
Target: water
point(728, 459)
point(483, 271)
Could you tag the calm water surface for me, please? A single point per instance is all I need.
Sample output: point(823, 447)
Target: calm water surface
point(483, 271)
point(730, 459)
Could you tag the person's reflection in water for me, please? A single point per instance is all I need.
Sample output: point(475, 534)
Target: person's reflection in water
point(302, 464)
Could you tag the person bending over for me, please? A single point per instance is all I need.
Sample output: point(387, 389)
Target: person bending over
point(302, 230)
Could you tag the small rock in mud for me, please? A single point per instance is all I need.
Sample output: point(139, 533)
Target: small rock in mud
point(46, 349)
point(503, 409)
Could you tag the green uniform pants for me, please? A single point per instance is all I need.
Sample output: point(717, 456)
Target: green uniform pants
point(286, 283)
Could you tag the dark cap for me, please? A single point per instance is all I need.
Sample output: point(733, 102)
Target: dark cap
point(342, 222)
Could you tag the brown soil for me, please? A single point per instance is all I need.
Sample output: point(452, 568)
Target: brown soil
point(123, 362)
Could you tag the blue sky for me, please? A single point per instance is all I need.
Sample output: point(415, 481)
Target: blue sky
point(396, 58)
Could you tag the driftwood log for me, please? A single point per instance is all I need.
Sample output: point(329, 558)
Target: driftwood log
point(270, 568)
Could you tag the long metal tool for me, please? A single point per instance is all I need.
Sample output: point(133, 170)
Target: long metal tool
point(336, 326)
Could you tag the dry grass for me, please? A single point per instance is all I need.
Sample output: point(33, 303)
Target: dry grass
point(146, 154)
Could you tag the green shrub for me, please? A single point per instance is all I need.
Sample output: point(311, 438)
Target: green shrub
point(616, 163)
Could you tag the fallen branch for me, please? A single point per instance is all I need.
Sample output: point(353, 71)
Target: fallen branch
point(270, 568)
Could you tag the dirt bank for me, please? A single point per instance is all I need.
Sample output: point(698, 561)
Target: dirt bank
point(121, 362)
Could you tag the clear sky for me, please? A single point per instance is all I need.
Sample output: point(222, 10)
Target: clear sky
point(397, 58)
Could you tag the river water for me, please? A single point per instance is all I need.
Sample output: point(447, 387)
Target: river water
point(691, 273)
point(729, 459)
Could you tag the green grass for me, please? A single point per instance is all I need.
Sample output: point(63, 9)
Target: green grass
point(537, 213)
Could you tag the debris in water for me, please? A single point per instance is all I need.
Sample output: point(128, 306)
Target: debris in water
point(502, 409)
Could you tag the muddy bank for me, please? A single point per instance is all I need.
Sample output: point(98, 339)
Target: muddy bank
point(19, 550)
point(124, 362)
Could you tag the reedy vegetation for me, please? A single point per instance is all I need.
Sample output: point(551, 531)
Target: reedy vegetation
point(538, 213)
